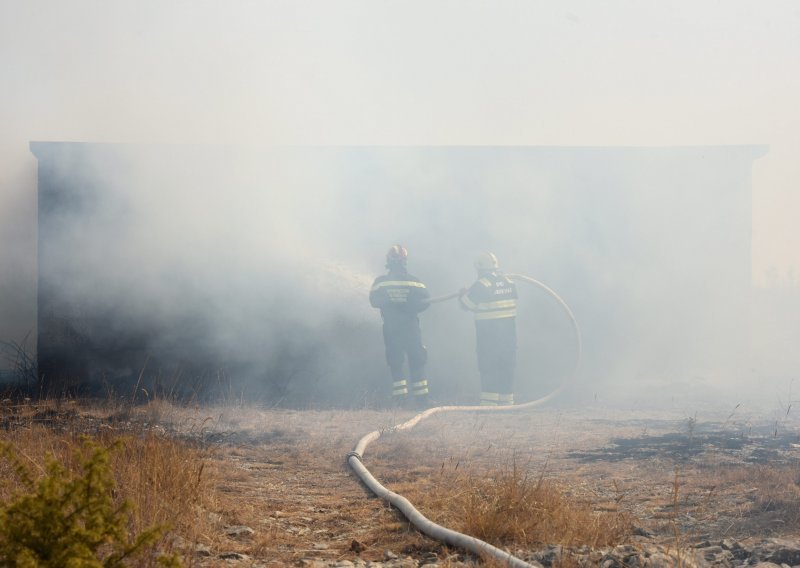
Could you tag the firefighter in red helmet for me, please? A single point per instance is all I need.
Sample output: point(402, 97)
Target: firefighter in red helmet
point(493, 299)
point(400, 298)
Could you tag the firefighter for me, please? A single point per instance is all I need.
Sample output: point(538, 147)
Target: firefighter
point(493, 299)
point(400, 297)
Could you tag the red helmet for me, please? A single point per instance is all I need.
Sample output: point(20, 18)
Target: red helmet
point(396, 255)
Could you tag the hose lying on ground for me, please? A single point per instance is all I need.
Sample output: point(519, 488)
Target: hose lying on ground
point(425, 525)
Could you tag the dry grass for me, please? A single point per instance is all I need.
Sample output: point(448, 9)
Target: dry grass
point(202, 469)
point(167, 481)
point(779, 492)
point(514, 507)
point(282, 473)
point(772, 492)
point(488, 491)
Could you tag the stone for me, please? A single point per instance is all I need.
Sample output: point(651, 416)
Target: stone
point(401, 563)
point(238, 531)
point(233, 556)
point(357, 547)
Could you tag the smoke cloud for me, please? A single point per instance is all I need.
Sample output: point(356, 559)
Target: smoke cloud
point(275, 151)
point(235, 259)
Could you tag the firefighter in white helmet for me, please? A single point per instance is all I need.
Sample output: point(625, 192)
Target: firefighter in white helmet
point(400, 297)
point(493, 299)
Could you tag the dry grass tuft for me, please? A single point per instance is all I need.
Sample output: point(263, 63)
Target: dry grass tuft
point(513, 507)
point(774, 491)
point(168, 481)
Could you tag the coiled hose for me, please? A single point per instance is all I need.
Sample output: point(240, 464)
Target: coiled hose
point(425, 525)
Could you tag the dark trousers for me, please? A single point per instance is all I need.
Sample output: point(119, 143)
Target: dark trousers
point(497, 354)
point(403, 340)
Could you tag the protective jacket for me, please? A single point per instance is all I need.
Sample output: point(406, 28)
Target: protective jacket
point(493, 299)
point(493, 296)
point(400, 297)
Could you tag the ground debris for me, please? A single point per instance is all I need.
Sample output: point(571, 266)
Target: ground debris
point(720, 495)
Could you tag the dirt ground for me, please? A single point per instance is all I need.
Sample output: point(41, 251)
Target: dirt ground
point(684, 477)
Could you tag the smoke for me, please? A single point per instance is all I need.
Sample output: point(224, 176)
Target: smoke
point(239, 243)
point(17, 251)
point(256, 261)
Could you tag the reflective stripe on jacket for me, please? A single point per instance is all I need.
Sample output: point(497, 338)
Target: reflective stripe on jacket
point(398, 293)
point(493, 296)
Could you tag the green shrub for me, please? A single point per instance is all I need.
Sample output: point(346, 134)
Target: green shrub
point(69, 520)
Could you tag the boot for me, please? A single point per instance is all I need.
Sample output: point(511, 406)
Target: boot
point(421, 402)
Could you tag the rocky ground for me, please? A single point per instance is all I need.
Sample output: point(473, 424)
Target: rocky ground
point(705, 487)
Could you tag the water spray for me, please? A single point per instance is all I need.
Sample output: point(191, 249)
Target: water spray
point(425, 525)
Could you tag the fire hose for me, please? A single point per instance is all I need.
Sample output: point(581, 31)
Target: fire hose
point(425, 525)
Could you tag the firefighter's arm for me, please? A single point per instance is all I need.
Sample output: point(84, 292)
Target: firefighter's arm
point(377, 296)
point(468, 299)
point(461, 294)
point(421, 297)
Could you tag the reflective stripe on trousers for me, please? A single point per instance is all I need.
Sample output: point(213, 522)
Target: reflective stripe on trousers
point(399, 388)
point(419, 388)
point(496, 399)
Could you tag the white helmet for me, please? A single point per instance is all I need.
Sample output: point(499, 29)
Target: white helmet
point(486, 261)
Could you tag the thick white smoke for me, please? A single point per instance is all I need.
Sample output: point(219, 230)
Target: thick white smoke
point(236, 257)
point(410, 74)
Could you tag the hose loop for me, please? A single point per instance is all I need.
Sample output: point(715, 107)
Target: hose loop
point(425, 525)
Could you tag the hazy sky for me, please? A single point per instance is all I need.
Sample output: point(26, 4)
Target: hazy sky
point(400, 72)
point(407, 72)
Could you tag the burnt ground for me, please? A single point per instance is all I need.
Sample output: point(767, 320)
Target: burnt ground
point(685, 478)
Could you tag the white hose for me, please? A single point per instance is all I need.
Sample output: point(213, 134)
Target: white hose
point(425, 525)
point(571, 316)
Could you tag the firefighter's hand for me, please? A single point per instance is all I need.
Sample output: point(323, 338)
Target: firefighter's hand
point(461, 294)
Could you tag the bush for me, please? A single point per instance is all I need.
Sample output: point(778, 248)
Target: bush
point(70, 520)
